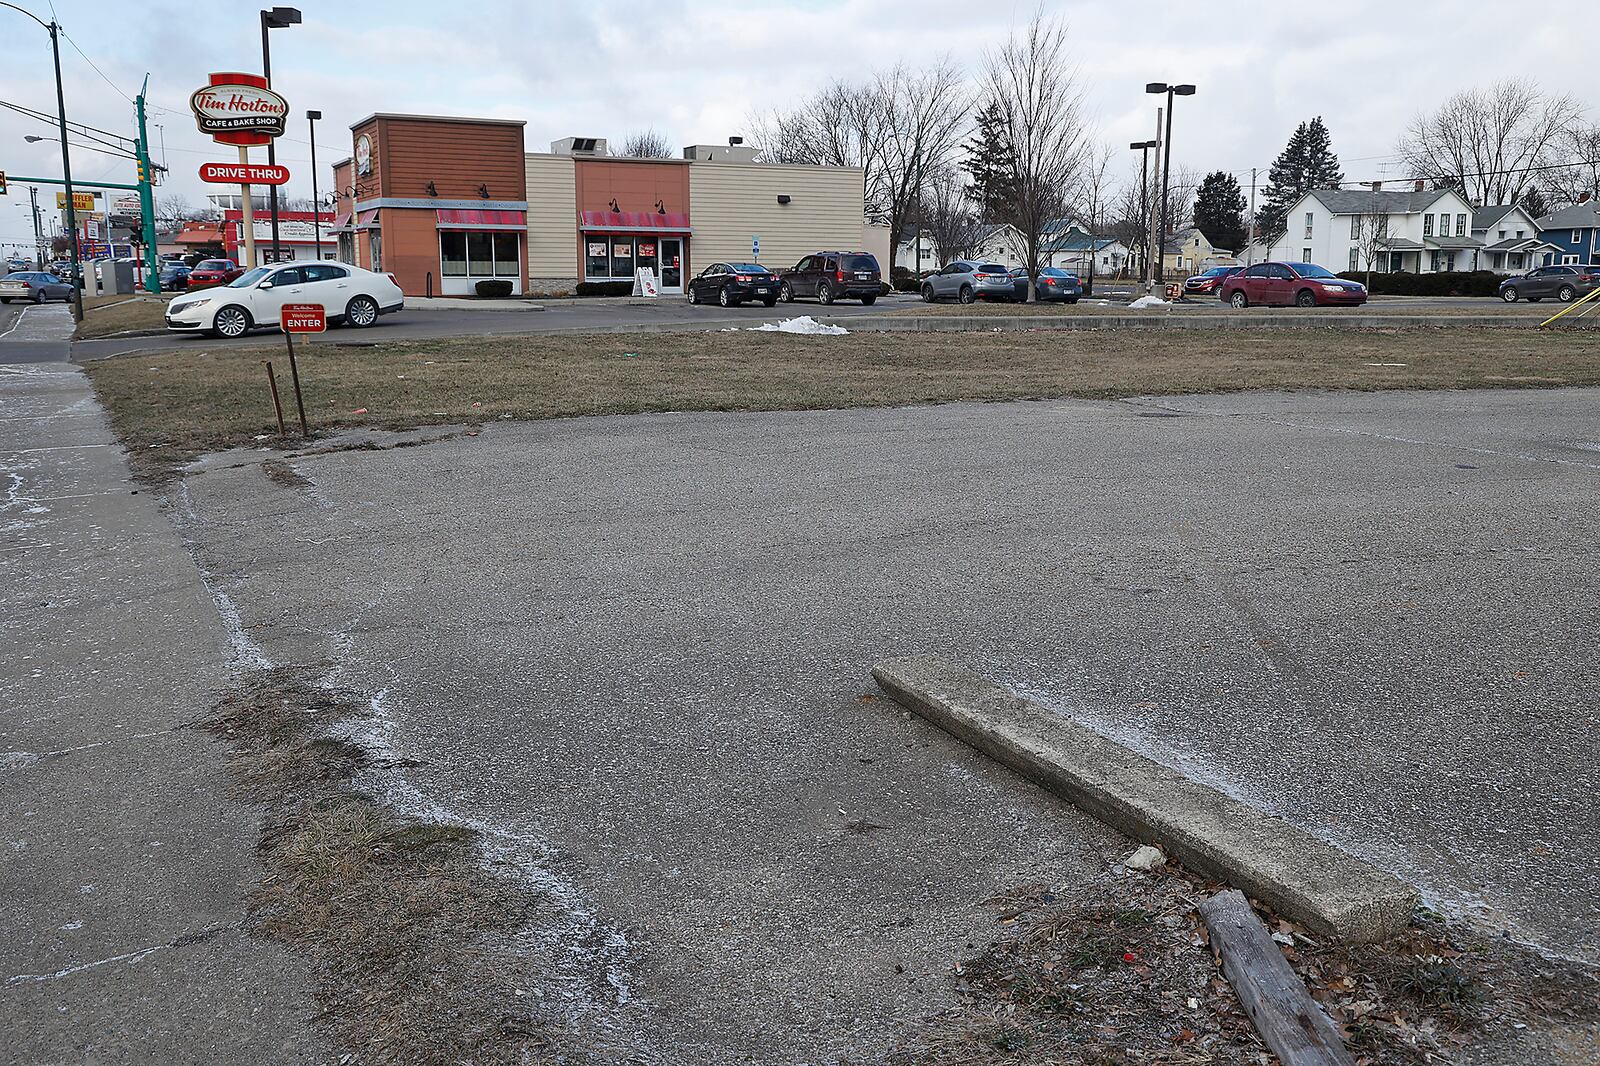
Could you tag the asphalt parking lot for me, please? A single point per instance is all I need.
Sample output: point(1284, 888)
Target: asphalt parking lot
point(634, 648)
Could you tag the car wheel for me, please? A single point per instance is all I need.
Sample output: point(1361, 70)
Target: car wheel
point(771, 302)
point(1509, 294)
point(1239, 299)
point(868, 301)
point(725, 297)
point(694, 295)
point(1566, 293)
point(927, 294)
point(5, 299)
point(785, 293)
point(38, 297)
point(825, 293)
point(361, 312)
point(231, 321)
point(1305, 298)
point(1072, 300)
point(966, 295)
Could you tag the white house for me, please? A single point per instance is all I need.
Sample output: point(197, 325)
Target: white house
point(1510, 237)
point(1071, 248)
point(1420, 231)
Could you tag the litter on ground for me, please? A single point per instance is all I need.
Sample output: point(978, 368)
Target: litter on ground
point(1148, 301)
point(803, 324)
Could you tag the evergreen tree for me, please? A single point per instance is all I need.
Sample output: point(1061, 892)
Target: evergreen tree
point(1219, 211)
point(992, 165)
point(1533, 201)
point(1307, 162)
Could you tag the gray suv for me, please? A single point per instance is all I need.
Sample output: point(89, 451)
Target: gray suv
point(965, 281)
point(1565, 283)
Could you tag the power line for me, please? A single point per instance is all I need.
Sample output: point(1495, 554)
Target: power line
point(72, 127)
point(97, 70)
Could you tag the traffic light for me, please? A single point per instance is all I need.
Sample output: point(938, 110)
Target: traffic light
point(143, 176)
point(2, 183)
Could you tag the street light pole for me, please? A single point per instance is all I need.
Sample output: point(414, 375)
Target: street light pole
point(276, 18)
point(316, 204)
point(1166, 166)
point(1143, 148)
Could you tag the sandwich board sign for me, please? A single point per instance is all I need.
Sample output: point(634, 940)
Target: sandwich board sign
point(644, 282)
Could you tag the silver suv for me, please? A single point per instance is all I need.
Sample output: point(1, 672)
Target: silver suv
point(965, 281)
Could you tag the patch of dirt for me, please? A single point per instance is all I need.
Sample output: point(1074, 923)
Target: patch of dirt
point(1126, 975)
point(281, 473)
point(405, 929)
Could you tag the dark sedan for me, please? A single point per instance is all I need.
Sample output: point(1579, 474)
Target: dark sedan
point(731, 284)
point(1206, 282)
point(1290, 284)
point(174, 277)
point(33, 285)
point(1564, 283)
point(1054, 284)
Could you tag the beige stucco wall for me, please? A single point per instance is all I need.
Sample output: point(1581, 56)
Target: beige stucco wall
point(552, 217)
point(875, 239)
point(730, 202)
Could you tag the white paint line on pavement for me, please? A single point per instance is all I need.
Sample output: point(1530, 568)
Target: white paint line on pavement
point(83, 747)
point(61, 448)
point(15, 324)
point(130, 956)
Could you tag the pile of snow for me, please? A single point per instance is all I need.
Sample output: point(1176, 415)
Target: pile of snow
point(1147, 301)
point(803, 324)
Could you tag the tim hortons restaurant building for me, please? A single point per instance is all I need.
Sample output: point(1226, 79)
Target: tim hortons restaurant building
point(443, 203)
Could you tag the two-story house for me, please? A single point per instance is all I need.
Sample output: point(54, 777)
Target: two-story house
point(1188, 251)
point(1510, 237)
point(1573, 234)
point(1421, 231)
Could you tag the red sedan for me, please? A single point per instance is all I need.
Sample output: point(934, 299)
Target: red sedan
point(209, 272)
point(1291, 284)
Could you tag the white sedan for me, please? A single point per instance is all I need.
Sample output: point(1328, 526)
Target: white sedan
point(350, 295)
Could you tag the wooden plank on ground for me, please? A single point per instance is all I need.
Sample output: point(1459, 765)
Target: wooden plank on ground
point(1290, 1022)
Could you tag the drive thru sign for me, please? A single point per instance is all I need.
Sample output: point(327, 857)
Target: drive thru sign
point(304, 318)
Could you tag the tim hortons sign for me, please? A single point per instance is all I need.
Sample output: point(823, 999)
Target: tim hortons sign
point(239, 109)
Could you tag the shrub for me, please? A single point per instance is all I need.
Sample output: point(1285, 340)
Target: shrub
point(905, 279)
point(495, 287)
point(605, 288)
point(1447, 283)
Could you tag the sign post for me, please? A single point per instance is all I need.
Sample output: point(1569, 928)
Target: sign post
point(755, 247)
point(301, 318)
point(241, 109)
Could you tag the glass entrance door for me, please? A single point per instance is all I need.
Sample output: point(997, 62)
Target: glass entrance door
point(671, 264)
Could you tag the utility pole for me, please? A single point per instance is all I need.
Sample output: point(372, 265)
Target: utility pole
point(38, 236)
point(147, 197)
point(276, 18)
point(1250, 234)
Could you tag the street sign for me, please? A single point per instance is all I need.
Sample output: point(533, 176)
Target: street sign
point(81, 201)
point(243, 173)
point(304, 318)
point(239, 109)
point(755, 247)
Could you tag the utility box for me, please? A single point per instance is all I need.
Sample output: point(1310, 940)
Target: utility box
point(114, 277)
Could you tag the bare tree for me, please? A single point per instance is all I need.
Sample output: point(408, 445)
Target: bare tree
point(646, 144)
point(839, 126)
point(922, 120)
point(173, 207)
point(1578, 147)
point(1092, 191)
point(1488, 143)
point(1372, 232)
point(950, 215)
point(1041, 105)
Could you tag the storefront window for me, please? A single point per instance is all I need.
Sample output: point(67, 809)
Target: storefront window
point(480, 255)
point(453, 254)
point(622, 257)
point(646, 257)
point(597, 260)
point(506, 263)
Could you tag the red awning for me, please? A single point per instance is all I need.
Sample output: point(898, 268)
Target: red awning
point(484, 219)
point(340, 223)
point(367, 219)
point(634, 222)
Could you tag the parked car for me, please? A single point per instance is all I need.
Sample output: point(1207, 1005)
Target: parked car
point(1205, 283)
point(351, 295)
point(35, 285)
point(214, 272)
point(966, 281)
point(1565, 283)
point(174, 277)
point(1054, 284)
point(731, 284)
point(829, 276)
point(1283, 284)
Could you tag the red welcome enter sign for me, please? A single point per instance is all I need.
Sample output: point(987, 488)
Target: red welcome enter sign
point(304, 318)
point(243, 173)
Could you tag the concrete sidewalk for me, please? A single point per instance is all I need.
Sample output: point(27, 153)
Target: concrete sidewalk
point(122, 900)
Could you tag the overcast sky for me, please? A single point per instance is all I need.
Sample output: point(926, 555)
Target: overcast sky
point(694, 70)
